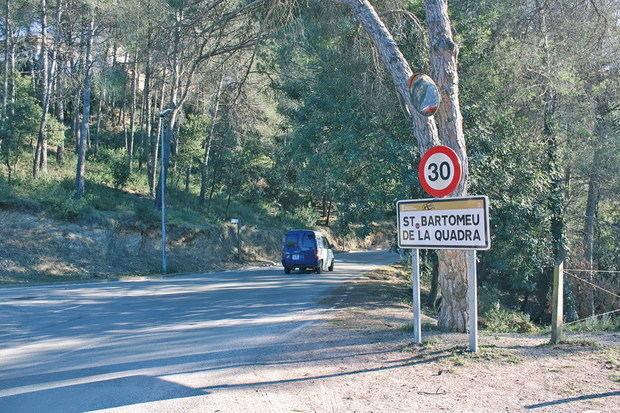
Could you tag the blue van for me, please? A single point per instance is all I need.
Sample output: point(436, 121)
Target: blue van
point(306, 250)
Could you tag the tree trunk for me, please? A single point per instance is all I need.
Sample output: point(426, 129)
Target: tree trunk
point(163, 173)
point(444, 63)
point(132, 113)
point(77, 65)
point(433, 295)
point(601, 130)
point(556, 190)
point(40, 153)
point(7, 52)
point(98, 125)
point(126, 138)
point(174, 145)
point(60, 151)
point(443, 55)
point(591, 207)
point(211, 192)
point(174, 105)
point(329, 212)
point(75, 119)
point(12, 72)
point(156, 138)
point(226, 216)
point(7, 71)
point(121, 113)
point(188, 177)
point(147, 116)
point(81, 162)
point(49, 81)
point(208, 143)
point(60, 113)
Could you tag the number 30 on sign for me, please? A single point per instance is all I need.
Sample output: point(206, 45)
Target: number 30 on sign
point(440, 171)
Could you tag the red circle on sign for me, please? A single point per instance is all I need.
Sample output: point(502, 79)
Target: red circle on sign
point(454, 179)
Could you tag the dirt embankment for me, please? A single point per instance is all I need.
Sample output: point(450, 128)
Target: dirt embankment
point(36, 248)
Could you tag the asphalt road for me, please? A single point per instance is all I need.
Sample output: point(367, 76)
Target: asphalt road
point(133, 344)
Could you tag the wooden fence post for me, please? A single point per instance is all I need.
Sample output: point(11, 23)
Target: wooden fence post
point(557, 305)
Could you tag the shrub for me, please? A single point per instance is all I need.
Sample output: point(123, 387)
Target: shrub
point(146, 213)
point(501, 320)
point(105, 200)
point(72, 209)
point(603, 323)
point(120, 172)
point(488, 298)
point(117, 166)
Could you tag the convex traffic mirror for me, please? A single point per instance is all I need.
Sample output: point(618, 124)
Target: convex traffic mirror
point(424, 94)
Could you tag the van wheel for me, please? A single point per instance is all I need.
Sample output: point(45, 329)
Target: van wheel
point(287, 270)
point(319, 267)
point(331, 266)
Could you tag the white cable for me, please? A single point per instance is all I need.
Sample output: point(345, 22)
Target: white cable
point(593, 316)
point(592, 270)
point(594, 285)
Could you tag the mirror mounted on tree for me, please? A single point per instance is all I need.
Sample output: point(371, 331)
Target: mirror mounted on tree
point(424, 94)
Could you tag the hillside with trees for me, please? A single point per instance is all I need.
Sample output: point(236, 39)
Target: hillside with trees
point(282, 113)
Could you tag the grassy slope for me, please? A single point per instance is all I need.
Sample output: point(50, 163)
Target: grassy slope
point(130, 206)
point(45, 235)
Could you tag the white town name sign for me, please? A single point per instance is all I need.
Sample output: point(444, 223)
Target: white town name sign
point(449, 223)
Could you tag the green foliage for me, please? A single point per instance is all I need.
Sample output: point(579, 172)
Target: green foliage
point(500, 320)
point(146, 212)
point(308, 216)
point(193, 133)
point(531, 159)
point(72, 209)
point(117, 163)
point(20, 123)
point(120, 171)
point(346, 142)
point(55, 131)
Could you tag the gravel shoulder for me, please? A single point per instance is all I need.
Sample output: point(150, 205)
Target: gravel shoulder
point(362, 360)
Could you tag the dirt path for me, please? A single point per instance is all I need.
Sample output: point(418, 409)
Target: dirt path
point(361, 360)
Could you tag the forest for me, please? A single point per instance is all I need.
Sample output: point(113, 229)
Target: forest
point(282, 113)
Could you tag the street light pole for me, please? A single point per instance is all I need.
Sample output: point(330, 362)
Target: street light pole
point(162, 184)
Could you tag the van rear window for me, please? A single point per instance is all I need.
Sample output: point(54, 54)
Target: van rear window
point(292, 240)
point(303, 240)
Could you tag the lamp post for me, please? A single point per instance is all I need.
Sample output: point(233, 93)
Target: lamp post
point(162, 184)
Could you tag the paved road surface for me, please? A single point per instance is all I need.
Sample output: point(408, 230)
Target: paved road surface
point(106, 345)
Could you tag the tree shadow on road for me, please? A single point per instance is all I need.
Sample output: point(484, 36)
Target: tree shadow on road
point(96, 395)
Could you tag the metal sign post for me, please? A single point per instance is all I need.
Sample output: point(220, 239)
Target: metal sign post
point(472, 301)
point(415, 288)
point(416, 304)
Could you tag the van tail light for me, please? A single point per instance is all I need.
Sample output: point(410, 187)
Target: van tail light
point(317, 254)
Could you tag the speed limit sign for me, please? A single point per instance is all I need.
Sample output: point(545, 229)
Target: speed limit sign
point(440, 171)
